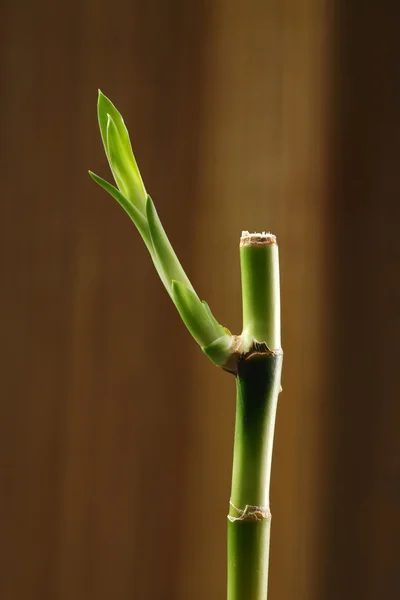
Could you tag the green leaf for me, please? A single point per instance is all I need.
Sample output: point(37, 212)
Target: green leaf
point(211, 317)
point(104, 108)
point(136, 216)
point(194, 315)
point(118, 149)
point(138, 219)
point(165, 253)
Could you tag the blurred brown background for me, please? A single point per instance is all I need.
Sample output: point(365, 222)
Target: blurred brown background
point(116, 432)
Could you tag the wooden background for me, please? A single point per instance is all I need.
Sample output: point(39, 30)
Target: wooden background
point(115, 432)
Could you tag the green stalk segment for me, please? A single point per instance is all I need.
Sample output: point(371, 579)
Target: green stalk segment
point(259, 259)
point(258, 385)
point(249, 521)
point(248, 559)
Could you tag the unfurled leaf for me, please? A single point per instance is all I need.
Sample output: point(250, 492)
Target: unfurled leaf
point(129, 208)
point(163, 249)
point(194, 315)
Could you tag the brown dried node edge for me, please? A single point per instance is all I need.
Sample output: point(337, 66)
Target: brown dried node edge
point(257, 239)
point(257, 348)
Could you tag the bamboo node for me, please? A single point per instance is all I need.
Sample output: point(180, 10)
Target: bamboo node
point(250, 513)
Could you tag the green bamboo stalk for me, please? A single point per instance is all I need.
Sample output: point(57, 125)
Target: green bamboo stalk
point(254, 357)
point(258, 385)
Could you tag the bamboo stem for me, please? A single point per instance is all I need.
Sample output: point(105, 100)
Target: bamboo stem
point(259, 261)
point(258, 385)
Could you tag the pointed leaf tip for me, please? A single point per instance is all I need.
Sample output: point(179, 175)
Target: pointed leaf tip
point(120, 157)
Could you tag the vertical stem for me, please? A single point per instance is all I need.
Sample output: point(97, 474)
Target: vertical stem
point(258, 386)
point(259, 260)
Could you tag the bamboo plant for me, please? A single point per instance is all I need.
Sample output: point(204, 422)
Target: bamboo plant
point(254, 357)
